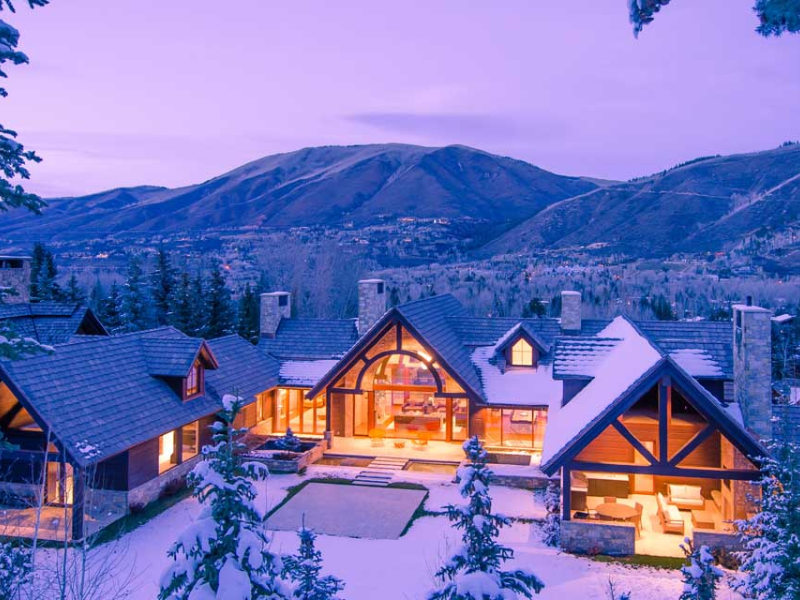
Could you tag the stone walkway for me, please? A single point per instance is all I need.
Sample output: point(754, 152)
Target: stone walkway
point(349, 511)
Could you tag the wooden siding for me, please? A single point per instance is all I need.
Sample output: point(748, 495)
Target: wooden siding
point(206, 434)
point(111, 474)
point(142, 463)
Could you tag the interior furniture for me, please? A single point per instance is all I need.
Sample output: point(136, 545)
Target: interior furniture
point(669, 516)
point(688, 497)
point(608, 484)
point(702, 519)
point(616, 511)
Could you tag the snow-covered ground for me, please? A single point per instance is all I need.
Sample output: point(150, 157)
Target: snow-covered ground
point(403, 569)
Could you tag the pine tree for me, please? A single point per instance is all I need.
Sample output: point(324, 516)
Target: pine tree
point(180, 313)
point(304, 570)
point(473, 572)
point(13, 156)
point(219, 307)
point(198, 323)
point(700, 576)
point(96, 296)
point(247, 324)
point(74, 292)
point(162, 282)
point(771, 537)
point(551, 529)
point(111, 310)
point(224, 554)
point(44, 273)
point(135, 314)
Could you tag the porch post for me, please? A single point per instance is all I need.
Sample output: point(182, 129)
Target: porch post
point(78, 501)
point(566, 493)
point(664, 400)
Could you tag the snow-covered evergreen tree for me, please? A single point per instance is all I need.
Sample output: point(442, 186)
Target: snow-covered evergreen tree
point(162, 282)
point(700, 575)
point(219, 306)
point(13, 156)
point(16, 569)
point(551, 529)
point(135, 305)
point(44, 273)
point(111, 310)
point(224, 554)
point(771, 537)
point(180, 303)
point(304, 569)
point(474, 571)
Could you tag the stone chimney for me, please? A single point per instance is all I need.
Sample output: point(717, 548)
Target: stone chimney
point(752, 367)
point(371, 303)
point(274, 307)
point(15, 279)
point(570, 311)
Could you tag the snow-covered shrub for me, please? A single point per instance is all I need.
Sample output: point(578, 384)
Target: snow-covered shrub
point(771, 537)
point(304, 570)
point(473, 572)
point(16, 568)
point(700, 575)
point(551, 529)
point(289, 442)
point(224, 553)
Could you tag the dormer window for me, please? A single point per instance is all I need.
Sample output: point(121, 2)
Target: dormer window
point(521, 354)
point(194, 381)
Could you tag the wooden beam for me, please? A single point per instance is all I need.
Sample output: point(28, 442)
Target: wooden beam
point(5, 422)
point(78, 502)
point(566, 492)
point(700, 437)
point(663, 420)
point(399, 333)
point(625, 432)
point(665, 470)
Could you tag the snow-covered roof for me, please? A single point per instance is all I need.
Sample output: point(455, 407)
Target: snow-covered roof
point(516, 386)
point(631, 358)
point(581, 357)
point(304, 373)
point(697, 363)
point(781, 319)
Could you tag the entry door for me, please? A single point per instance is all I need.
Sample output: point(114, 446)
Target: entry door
point(643, 484)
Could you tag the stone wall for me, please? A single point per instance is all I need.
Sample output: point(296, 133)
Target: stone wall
point(571, 311)
point(585, 537)
point(274, 306)
point(16, 275)
point(752, 367)
point(716, 540)
point(150, 491)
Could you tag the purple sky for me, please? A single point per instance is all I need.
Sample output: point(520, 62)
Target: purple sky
point(128, 92)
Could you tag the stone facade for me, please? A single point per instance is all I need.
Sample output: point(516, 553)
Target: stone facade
point(274, 307)
point(585, 537)
point(371, 303)
point(752, 367)
point(571, 311)
point(15, 274)
point(150, 491)
point(716, 540)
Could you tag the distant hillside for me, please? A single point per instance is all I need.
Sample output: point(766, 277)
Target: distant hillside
point(705, 205)
point(327, 185)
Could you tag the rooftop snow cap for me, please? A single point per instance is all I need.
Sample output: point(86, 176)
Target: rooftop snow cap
point(570, 311)
point(752, 367)
point(274, 307)
point(371, 303)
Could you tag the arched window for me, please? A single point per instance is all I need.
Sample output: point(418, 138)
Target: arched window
point(521, 354)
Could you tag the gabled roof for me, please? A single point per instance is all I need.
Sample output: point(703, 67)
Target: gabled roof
point(51, 323)
point(580, 357)
point(522, 330)
point(174, 357)
point(710, 342)
point(622, 376)
point(311, 339)
point(99, 396)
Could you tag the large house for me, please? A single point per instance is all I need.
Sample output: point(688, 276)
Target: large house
point(668, 415)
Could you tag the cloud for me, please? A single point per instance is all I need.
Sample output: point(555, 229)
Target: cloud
point(464, 127)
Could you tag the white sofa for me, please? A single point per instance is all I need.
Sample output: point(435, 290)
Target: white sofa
point(689, 497)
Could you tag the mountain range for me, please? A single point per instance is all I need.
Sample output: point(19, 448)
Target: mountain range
point(703, 205)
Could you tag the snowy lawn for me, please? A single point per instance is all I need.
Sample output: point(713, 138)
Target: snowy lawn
point(403, 568)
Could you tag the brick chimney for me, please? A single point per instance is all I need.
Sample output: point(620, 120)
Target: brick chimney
point(371, 303)
point(570, 311)
point(15, 279)
point(274, 307)
point(752, 367)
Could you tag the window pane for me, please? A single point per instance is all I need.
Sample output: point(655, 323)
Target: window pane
point(493, 432)
point(322, 413)
point(460, 419)
point(190, 440)
point(295, 407)
point(167, 457)
point(517, 428)
point(522, 354)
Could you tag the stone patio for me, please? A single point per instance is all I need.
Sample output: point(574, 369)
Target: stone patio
point(349, 511)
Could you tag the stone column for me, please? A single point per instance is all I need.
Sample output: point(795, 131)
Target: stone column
point(274, 307)
point(752, 367)
point(371, 303)
point(570, 311)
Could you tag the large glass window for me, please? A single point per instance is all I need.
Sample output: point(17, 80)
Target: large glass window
point(522, 354)
point(515, 427)
point(304, 415)
point(460, 419)
point(360, 414)
point(167, 451)
point(194, 380)
point(190, 440)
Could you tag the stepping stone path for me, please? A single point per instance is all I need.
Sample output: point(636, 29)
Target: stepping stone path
point(380, 471)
